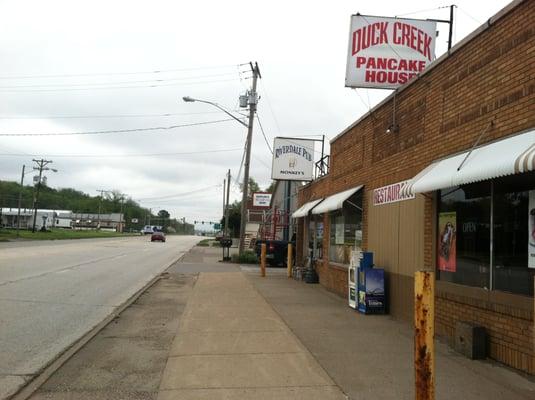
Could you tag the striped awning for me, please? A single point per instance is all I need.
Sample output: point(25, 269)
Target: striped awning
point(510, 156)
point(305, 208)
point(335, 201)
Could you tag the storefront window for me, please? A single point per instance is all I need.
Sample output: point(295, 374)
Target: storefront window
point(466, 249)
point(346, 229)
point(463, 249)
point(512, 235)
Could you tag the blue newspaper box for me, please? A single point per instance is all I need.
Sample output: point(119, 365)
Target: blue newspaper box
point(371, 289)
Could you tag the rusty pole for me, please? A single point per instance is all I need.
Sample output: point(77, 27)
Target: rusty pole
point(263, 260)
point(424, 335)
point(290, 260)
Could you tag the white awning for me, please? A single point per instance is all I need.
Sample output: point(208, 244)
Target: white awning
point(305, 208)
point(513, 155)
point(335, 201)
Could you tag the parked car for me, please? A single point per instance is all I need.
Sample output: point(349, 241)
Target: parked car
point(218, 235)
point(157, 237)
point(276, 251)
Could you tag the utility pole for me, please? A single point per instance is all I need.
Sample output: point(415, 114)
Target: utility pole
point(224, 195)
point(252, 101)
point(226, 231)
point(102, 191)
point(121, 216)
point(20, 198)
point(41, 165)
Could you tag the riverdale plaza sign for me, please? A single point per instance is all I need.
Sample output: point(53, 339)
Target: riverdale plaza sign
point(293, 159)
point(387, 52)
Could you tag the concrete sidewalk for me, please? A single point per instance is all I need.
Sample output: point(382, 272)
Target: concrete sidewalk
point(231, 344)
point(371, 356)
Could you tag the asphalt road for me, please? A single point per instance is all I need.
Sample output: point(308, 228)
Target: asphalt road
point(52, 293)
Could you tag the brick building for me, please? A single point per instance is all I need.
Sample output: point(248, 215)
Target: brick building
point(403, 184)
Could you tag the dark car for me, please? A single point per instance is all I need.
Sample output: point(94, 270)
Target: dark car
point(157, 237)
point(276, 251)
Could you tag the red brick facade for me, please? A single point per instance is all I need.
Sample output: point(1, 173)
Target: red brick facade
point(487, 78)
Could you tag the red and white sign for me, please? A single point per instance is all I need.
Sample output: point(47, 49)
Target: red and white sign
point(387, 52)
point(391, 193)
point(261, 199)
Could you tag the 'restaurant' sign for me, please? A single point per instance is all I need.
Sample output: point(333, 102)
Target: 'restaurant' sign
point(391, 193)
point(387, 52)
point(293, 159)
point(261, 199)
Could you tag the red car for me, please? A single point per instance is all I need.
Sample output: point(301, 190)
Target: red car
point(157, 236)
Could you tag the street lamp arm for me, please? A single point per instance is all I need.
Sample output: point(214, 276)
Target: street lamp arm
point(190, 100)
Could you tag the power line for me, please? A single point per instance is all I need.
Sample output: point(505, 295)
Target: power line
point(116, 87)
point(110, 116)
point(56, 85)
point(178, 194)
point(117, 131)
point(115, 73)
point(122, 155)
point(263, 134)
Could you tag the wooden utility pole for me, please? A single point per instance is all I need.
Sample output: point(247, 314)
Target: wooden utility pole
point(226, 231)
point(41, 166)
point(252, 102)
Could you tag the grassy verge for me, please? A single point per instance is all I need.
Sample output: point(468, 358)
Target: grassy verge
point(58, 234)
point(209, 243)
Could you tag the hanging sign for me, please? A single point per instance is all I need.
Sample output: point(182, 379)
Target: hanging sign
point(387, 52)
point(447, 235)
point(293, 159)
point(261, 199)
point(392, 193)
point(531, 227)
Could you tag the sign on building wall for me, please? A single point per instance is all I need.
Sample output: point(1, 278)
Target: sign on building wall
point(293, 159)
point(387, 52)
point(531, 227)
point(391, 193)
point(447, 244)
point(261, 199)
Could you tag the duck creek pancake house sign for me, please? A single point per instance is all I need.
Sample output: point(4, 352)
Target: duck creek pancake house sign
point(387, 52)
point(293, 159)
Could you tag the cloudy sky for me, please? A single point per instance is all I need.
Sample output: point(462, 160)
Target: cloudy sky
point(92, 66)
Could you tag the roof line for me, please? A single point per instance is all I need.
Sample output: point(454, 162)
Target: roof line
point(486, 25)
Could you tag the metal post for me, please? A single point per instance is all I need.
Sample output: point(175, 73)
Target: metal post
point(263, 260)
point(424, 334)
point(252, 110)
point(20, 198)
point(451, 26)
point(224, 195)
point(290, 260)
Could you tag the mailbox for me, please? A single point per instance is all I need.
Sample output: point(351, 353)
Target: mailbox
point(225, 242)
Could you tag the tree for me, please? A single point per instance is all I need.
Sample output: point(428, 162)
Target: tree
point(163, 214)
point(253, 187)
point(271, 187)
point(234, 218)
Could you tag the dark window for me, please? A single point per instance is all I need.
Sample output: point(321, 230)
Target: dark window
point(511, 234)
point(468, 208)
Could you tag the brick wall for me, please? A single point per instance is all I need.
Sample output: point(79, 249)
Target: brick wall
point(490, 78)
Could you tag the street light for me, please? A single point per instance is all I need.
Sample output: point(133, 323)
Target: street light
point(252, 101)
point(189, 99)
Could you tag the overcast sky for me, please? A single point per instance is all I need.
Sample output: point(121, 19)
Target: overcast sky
point(86, 66)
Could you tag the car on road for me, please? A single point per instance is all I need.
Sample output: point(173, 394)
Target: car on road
point(219, 236)
point(157, 237)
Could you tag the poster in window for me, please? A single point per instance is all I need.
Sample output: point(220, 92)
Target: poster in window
point(531, 227)
point(339, 233)
point(447, 234)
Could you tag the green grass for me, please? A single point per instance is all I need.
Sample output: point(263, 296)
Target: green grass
point(58, 234)
point(209, 243)
point(248, 257)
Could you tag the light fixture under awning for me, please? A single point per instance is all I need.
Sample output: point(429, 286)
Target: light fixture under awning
point(305, 208)
point(335, 201)
point(510, 156)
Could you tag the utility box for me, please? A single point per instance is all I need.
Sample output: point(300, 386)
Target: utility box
point(471, 340)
